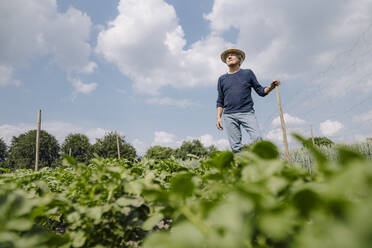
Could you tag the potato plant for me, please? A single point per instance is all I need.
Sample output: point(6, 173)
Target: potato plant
point(250, 199)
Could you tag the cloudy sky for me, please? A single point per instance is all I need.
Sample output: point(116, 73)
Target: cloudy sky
point(149, 68)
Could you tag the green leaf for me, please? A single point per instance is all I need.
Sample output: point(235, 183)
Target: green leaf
point(21, 224)
point(278, 225)
point(184, 235)
point(152, 221)
point(7, 237)
point(125, 201)
point(183, 185)
point(347, 155)
point(68, 160)
point(319, 156)
point(276, 184)
point(222, 161)
point(43, 186)
point(134, 187)
point(94, 213)
point(306, 200)
point(78, 239)
point(73, 217)
point(266, 150)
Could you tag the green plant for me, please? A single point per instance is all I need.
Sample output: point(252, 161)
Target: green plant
point(107, 147)
point(3, 152)
point(194, 147)
point(18, 220)
point(255, 200)
point(249, 199)
point(159, 152)
point(321, 141)
point(22, 150)
point(79, 146)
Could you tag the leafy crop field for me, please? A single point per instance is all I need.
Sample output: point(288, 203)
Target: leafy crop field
point(250, 199)
point(303, 157)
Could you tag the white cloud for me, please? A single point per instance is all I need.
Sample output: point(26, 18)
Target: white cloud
point(325, 43)
point(163, 138)
point(366, 117)
point(360, 137)
point(141, 146)
point(287, 41)
point(330, 128)
point(57, 128)
point(167, 101)
point(153, 55)
point(95, 133)
point(289, 120)
point(276, 135)
point(170, 140)
point(61, 129)
point(31, 29)
point(67, 38)
point(208, 140)
point(8, 131)
point(6, 76)
point(84, 88)
point(293, 124)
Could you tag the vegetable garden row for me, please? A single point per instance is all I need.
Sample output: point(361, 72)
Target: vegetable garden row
point(249, 199)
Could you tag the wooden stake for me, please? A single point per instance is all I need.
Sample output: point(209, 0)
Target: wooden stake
point(117, 144)
point(312, 134)
point(37, 140)
point(283, 124)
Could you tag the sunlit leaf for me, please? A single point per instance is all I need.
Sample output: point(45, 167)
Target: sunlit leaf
point(183, 185)
point(152, 221)
point(78, 239)
point(265, 150)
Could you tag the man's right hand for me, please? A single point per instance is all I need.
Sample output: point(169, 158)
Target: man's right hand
point(219, 124)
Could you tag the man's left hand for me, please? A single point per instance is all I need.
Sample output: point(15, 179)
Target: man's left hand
point(275, 83)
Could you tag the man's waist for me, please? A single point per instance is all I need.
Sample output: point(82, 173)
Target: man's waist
point(240, 110)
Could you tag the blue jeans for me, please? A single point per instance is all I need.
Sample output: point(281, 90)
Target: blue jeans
point(234, 122)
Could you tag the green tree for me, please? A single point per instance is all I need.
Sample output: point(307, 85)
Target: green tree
point(3, 152)
point(322, 141)
point(194, 147)
point(159, 152)
point(22, 150)
point(211, 148)
point(107, 148)
point(80, 147)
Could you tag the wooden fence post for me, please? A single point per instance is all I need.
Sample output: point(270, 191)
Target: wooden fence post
point(283, 124)
point(37, 140)
point(312, 135)
point(117, 145)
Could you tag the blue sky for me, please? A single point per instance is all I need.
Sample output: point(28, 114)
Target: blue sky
point(149, 68)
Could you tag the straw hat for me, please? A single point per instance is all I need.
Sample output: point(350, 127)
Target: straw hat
point(232, 50)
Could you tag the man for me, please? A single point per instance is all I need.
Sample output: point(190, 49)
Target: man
point(235, 101)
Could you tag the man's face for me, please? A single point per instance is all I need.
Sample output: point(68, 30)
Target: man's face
point(232, 59)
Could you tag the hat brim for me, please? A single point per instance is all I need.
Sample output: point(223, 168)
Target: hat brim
point(232, 50)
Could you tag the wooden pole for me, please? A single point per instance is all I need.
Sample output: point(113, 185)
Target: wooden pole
point(283, 124)
point(312, 134)
point(117, 145)
point(37, 140)
point(69, 152)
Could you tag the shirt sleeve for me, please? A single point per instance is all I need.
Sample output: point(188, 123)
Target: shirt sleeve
point(220, 96)
point(256, 85)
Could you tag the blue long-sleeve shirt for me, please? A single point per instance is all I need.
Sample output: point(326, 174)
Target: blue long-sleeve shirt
point(234, 91)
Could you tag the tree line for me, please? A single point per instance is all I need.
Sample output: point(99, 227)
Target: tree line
point(21, 151)
point(188, 150)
